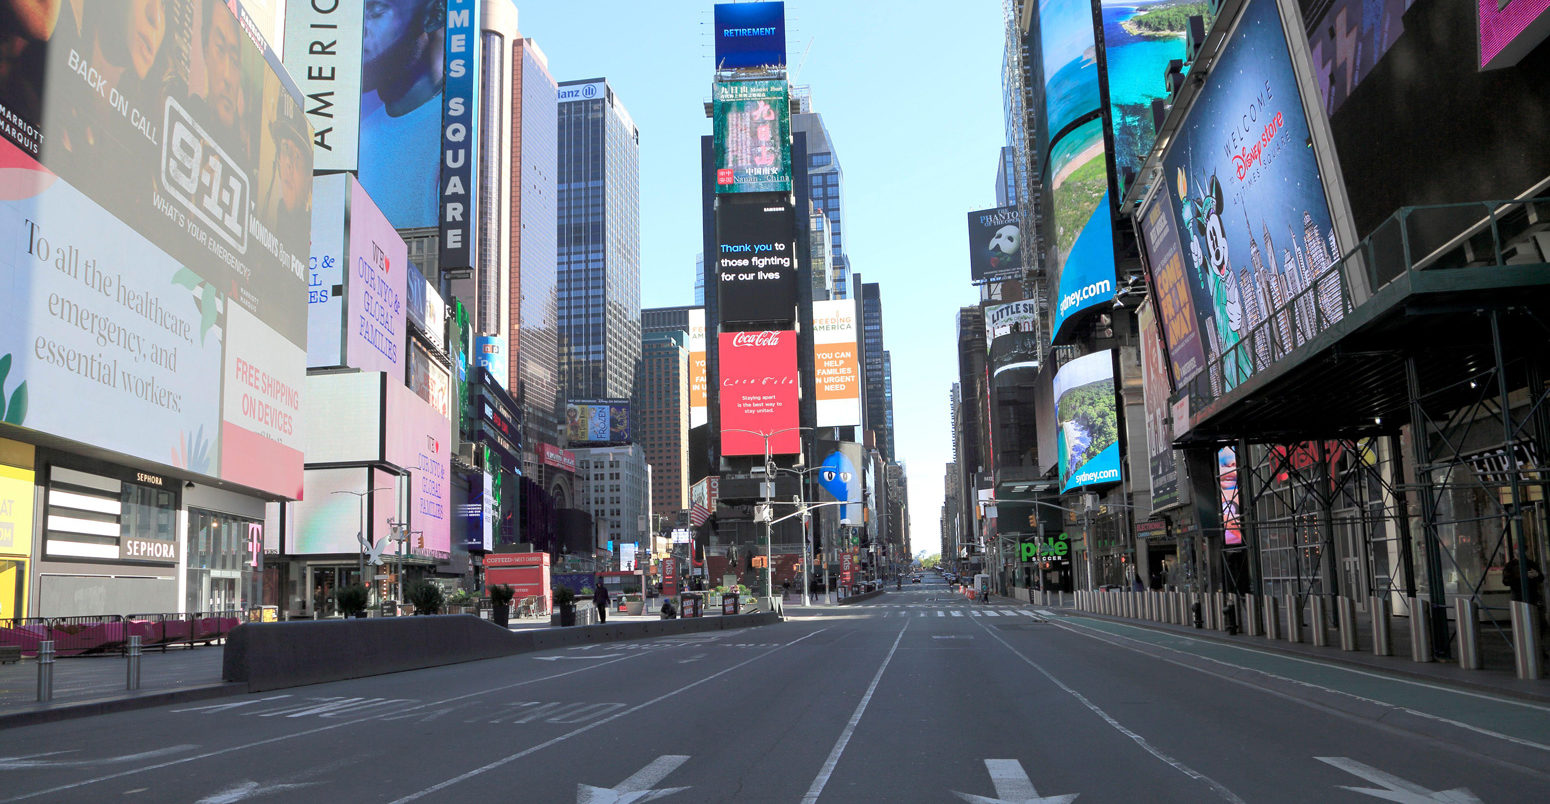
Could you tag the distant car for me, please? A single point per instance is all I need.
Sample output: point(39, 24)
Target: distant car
point(915, 579)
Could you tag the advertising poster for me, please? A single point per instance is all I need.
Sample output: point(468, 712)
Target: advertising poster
point(1083, 239)
point(840, 477)
point(330, 515)
point(995, 245)
point(490, 355)
point(1162, 462)
point(752, 137)
point(429, 380)
point(699, 380)
point(420, 442)
point(1509, 31)
point(1140, 37)
point(426, 309)
point(1349, 38)
point(1087, 424)
point(1070, 63)
point(1227, 476)
point(403, 73)
point(750, 35)
point(756, 268)
point(598, 422)
point(455, 213)
point(1011, 336)
point(377, 282)
point(1249, 205)
point(1170, 288)
point(325, 273)
point(758, 393)
point(261, 428)
point(323, 53)
point(837, 371)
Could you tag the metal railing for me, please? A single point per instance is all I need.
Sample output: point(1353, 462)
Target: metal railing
point(108, 634)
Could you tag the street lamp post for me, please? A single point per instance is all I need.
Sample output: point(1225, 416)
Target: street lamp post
point(769, 491)
point(360, 535)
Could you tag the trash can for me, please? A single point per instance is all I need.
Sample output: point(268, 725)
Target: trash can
point(729, 603)
point(691, 605)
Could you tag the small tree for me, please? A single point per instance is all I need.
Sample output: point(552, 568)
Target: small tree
point(425, 597)
point(500, 602)
point(352, 600)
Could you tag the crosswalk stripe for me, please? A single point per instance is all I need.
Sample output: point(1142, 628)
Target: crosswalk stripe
point(957, 613)
point(941, 613)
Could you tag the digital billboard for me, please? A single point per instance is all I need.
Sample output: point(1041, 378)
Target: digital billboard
point(1083, 237)
point(1170, 288)
point(323, 53)
point(490, 355)
point(750, 35)
point(155, 230)
point(1012, 335)
point(377, 283)
point(995, 245)
point(1140, 37)
point(426, 309)
point(1227, 477)
point(1162, 462)
point(1348, 39)
point(1508, 31)
point(325, 272)
point(429, 380)
point(337, 501)
point(1245, 194)
point(598, 422)
point(836, 366)
point(758, 393)
point(1070, 63)
point(1087, 426)
point(839, 475)
point(699, 408)
point(419, 442)
point(752, 136)
point(756, 267)
point(455, 214)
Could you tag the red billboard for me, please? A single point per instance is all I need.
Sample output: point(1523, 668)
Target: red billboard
point(759, 392)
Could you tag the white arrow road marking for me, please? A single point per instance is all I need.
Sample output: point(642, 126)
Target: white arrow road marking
point(1012, 785)
point(249, 789)
point(1395, 788)
point(212, 708)
point(696, 657)
point(636, 788)
point(588, 656)
point(33, 761)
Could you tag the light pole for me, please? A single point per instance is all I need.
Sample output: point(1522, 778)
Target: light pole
point(360, 535)
point(769, 492)
point(801, 501)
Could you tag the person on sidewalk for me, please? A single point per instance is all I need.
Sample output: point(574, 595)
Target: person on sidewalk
point(600, 601)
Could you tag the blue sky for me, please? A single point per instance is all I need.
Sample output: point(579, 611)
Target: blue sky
point(911, 94)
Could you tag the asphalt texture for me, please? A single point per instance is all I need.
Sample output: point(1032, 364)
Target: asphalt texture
point(917, 695)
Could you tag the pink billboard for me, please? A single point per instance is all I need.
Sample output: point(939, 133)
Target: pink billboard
point(377, 279)
point(759, 393)
point(1508, 31)
point(419, 440)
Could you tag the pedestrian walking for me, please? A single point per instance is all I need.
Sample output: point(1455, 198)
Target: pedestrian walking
point(600, 601)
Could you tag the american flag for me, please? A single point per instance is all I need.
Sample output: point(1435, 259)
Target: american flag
point(698, 514)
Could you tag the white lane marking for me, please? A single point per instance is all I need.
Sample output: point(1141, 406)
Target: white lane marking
point(1216, 786)
point(594, 724)
point(1012, 786)
point(1403, 791)
point(957, 613)
point(588, 656)
point(249, 789)
point(637, 787)
point(822, 779)
point(225, 706)
point(941, 613)
point(1071, 626)
point(32, 760)
point(319, 729)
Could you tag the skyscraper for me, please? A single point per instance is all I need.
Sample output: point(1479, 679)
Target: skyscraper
point(878, 410)
point(662, 418)
point(598, 247)
point(826, 183)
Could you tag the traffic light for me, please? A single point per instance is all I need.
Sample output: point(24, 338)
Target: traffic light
point(1033, 520)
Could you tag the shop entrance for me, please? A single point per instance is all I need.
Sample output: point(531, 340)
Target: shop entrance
point(324, 582)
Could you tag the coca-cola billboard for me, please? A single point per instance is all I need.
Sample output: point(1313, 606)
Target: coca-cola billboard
point(759, 392)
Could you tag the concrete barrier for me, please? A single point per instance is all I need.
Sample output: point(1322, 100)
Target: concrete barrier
point(268, 656)
point(861, 598)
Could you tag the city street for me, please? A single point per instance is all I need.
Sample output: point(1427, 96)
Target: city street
point(916, 695)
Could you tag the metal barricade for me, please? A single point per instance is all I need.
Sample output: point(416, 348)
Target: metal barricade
point(1318, 621)
point(46, 671)
point(1420, 630)
point(1346, 609)
point(1467, 612)
point(1293, 618)
point(1272, 618)
point(1250, 615)
point(1525, 640)
point(1382, 639)
point(132, 663)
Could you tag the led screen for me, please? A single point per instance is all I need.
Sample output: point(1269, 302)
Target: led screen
point(1140, 37)
point(837, 371)
point(1011, 336)
point(1510, 30)
point(323, 52)
point(699, 410)
point(1087, 433)
point(598, 422)
point(325, 272)
point(419, 442)
point(1083, 241)
point(1162, 462)
point(752, 138)
point(756, 268)
point(1348, 39)
point(1070, 62)
point(995, 245)
point(1247, 201)
point(403, 74)
point(1227, 477)
point(155, 231)
point(377, 283)
point(337, 501)
point(839, 475)
point(758, 393)
point(750, 35)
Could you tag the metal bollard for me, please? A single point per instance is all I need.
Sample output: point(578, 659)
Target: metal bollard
point(1293, 618)
point(1317, 620)
point(1420, 630)
point(46, 671)
point(1250, 615)
point(1272, 618)
point(1468, 614)
point(1378, 609)
point(132, 672)
point(1525, 640)
point(1346, 609)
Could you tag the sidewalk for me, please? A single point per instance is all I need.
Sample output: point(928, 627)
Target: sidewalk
point(1496, 677)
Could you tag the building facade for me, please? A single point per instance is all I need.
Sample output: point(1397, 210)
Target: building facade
point(662, 418)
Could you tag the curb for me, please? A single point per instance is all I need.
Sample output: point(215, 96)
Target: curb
point(51, 712)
